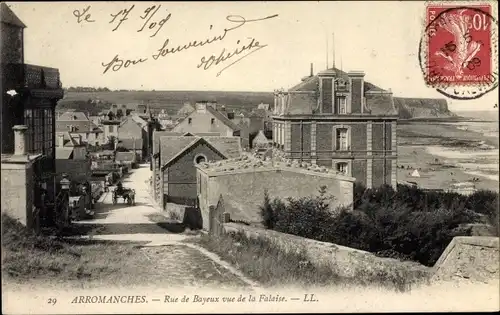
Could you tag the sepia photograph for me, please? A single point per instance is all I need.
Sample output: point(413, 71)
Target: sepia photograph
point(249, 157)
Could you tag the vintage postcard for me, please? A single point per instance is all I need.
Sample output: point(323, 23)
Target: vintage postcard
point(249, 157)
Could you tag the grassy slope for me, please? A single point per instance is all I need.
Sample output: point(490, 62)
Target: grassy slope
point(28, 259)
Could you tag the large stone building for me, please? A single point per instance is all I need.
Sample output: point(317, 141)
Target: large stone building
point(29, 97)
point(337, 119)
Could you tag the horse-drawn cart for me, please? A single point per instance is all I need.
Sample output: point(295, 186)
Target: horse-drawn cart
point(127, 194)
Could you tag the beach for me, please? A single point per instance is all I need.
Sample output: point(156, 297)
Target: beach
point(444, 153)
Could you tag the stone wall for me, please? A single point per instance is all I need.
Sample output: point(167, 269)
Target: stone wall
point(17, 193)
point(343, 260)
point(243, 190)
point(469, 257)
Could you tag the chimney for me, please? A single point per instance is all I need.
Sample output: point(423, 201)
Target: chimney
point(356, 80)
point(20, 139)
point(60, 140)
point(312, 72)
point(327, 91)
point(201, 107)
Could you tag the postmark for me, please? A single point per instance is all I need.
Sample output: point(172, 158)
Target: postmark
point(458, 51)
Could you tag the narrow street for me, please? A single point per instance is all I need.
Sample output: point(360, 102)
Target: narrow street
point(132, 222)
point(177, 262)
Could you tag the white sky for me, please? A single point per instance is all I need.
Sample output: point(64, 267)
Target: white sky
point(380, 38)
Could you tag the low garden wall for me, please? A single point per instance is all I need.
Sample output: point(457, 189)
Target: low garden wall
point(469, 257)
point(345, 261)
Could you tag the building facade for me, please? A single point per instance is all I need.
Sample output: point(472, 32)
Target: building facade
point(179, 156)
point(338, 120)
point(206, 118)
point(29, 97)
point(78, 122)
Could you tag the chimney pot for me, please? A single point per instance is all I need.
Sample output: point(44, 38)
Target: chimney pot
point(20, 139)
point(312, 72)
point(60, 140)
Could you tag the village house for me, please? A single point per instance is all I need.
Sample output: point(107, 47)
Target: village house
point(206, 118)
point(78, 122)
point(338, 120)
point(132, 145)
point(178, 156)
point(155, 158)
point(69, 146)
point(241, 183)
point(29, 97)
point(110, 128)
point(133, 134)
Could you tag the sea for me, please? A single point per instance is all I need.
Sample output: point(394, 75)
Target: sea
point(482, 160)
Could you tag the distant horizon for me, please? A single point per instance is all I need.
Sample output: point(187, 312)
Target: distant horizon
point(385, 46)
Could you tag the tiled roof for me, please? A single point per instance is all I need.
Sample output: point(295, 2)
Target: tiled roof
point(226, 121)
point(130, 144)
point(73, 115)
point(378, 102)
point(158, 134)
point(381, 104)
point(82, 126)
point(229, 146)
point(125, 156)
point(186, 109)
point(64, 153)
point(9, 17)
point(135, 118)
point(171, 146)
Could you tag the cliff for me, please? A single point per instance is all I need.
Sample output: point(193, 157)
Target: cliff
point(422, 108)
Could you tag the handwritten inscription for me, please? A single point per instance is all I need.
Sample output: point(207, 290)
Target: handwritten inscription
point(152, 21)
point(148, 15)
point(123, 14)
point(83, 16)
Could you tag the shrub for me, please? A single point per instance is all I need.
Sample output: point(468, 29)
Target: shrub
point(408, 223)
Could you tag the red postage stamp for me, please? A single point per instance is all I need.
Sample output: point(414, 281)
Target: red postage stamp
point(459, 43)
point(457, 49)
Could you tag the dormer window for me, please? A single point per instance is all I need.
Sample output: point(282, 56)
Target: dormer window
point(341, 105)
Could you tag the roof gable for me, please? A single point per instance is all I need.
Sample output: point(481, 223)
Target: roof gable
point(219, 116)
point(229, 146)
point(7, 16)
point(195, 142)
point(73, 115)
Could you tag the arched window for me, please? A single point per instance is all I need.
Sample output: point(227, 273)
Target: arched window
point(200, 158)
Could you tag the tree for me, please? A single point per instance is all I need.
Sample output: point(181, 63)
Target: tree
point(119, 113)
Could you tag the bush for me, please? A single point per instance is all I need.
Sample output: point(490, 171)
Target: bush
point(410, 224)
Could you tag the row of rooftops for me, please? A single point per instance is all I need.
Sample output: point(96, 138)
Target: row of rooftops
point(270, 161)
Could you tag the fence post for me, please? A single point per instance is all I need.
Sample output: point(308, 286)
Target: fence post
point(211, 212)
